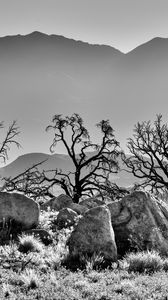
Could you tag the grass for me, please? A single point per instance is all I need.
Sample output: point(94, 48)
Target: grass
point(29, 243)
point(64, 284)
point(40, 272)
point(30, 279)
point(144, 262)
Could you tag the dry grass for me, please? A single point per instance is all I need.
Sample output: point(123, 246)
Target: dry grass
point(30, 279)
point(144, 262)
point(41, 275)
point(29, 243)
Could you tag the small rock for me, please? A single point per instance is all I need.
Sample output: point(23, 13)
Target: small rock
point(66, 218)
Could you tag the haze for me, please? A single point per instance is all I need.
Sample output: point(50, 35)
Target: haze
point(96, 93)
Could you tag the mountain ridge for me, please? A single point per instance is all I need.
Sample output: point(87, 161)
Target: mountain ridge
point(37, 34)
point(65, 77)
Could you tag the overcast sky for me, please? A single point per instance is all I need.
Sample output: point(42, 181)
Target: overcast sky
point(123, 24)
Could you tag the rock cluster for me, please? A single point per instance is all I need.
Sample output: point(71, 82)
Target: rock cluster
point(137, 221)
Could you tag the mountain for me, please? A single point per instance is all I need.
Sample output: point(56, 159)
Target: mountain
point(42, 75)
point(50, 67)
point(25, 161)
point(60, 161)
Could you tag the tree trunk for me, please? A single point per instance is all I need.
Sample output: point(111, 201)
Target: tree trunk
point(76, 198)
point(77, 195)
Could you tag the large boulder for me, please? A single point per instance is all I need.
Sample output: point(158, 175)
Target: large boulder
point(91, 202)
point(94, 234)
point(19, 210)
point(140, 222)
point(66, 218)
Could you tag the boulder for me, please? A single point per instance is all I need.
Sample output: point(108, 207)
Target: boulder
point(19, 210)
point(140, 222)
point(66, 218)
point(63, 201)
point(57, 203)
point(91, 202)
point(79, 209)
point(94, 234)
point(42, 234)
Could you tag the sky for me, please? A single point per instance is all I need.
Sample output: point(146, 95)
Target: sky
point(123, 24)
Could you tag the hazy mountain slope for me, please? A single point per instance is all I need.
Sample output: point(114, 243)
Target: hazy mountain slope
point(60, 73)
point(60, 161)
point(41, 75)
point(25, 161)
point(39, 62)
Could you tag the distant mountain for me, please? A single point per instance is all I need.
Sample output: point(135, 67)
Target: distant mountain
point(25, 161)
point(41, 75)
point(60, 161)
point(37, 67)
point(56, 72)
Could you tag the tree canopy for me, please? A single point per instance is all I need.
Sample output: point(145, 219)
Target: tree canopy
point(92, 162)
point(148, 158)
point(8, 140)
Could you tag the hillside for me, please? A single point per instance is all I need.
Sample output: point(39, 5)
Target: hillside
point(60, 161)
point(45, 74)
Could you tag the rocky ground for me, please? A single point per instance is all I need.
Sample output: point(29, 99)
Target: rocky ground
point(48, 262)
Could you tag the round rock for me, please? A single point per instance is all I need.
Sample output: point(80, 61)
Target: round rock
point(20, 209)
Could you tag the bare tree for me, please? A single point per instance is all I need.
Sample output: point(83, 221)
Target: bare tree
point(148, 158)
point(9, 140)
point(92, 162)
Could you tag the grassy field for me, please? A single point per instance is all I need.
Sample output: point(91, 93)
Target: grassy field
point(30, 270)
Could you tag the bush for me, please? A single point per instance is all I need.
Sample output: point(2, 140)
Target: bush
point(144, 262)
point(94, 262)
point(165, 264)
point(30, 279)
point(9, 251)
point(47, 219)
point(84, 262)
point(29, 243)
